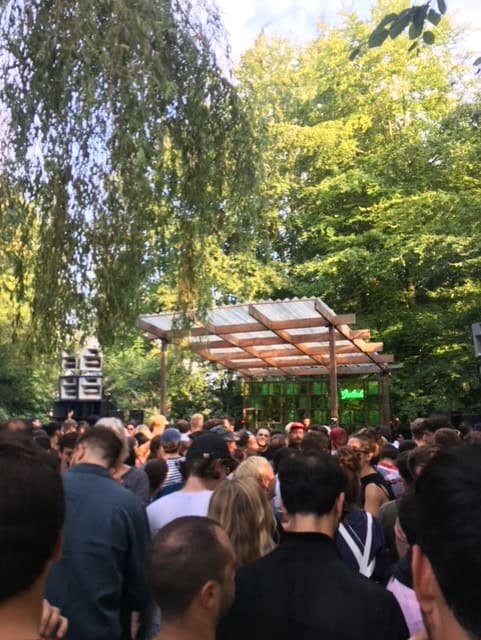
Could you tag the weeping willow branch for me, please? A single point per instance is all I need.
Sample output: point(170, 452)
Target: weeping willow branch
point(122, 129)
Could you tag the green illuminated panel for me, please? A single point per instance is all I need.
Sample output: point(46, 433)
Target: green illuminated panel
point(352, 394)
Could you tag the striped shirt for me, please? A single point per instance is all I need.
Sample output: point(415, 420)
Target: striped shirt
point(173, 474)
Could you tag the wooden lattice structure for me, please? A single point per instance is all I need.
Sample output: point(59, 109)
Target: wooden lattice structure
point(298, 337)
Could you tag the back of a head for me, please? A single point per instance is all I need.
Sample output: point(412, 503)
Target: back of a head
point(447, 437)
point(448, 528)
point(31, 513)
point(51, 428)
point(156, 471)
point(310, 483)
point(182, 426)
point(68, 441)
point(338, 437)
point(196, 421)
point(158, 422)
point(349, 460)
point(389, 452)
point(178, 569)
point(115, 425)
point(316, 441)
point(242, 509)
point(437, 421)
point(255, 467)
point(103, 443)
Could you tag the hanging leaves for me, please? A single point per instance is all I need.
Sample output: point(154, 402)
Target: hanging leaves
point(123, 129)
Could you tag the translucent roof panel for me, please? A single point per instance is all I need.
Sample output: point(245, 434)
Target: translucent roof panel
point(275, 337)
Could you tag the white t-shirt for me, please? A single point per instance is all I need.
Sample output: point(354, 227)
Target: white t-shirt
point(176, 505)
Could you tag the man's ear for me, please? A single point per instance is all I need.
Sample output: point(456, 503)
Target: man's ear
point(339, 506)
point(78, 455)
point(209, 595)
point(428, 592)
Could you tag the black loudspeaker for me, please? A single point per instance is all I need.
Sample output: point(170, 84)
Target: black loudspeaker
point(117, 413)
point(137, 414)
point(476, 331)
point(82, 409)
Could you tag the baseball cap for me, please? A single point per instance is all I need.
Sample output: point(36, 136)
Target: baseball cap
point(209, 446)
point(170, 435)
point(295, 425)
point(225, 434)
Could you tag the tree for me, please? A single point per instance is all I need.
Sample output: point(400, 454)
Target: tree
point(417, 20)
point(122, 130)
point(375, 192)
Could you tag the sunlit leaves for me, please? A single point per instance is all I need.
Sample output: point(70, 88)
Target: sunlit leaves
point(123, 130)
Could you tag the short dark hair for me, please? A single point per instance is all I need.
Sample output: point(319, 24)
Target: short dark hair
point(310, 483)
point(32, 511)
point(447, 437)
point(390, 452)
point(105, 442)
point(177, 569)
point(315, 441)
point(156, 471)
point(68, 441)
point(182, 426)
point(448, 528)
point(51, 428)
point(155, 446)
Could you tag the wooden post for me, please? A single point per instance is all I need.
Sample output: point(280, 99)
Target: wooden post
point(333, 373)
point(385, 402)
point(163, 376)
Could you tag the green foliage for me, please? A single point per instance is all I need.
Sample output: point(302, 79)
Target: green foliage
point(132, 381)
point(413, 19)
point(122, 130)
point(374, 178)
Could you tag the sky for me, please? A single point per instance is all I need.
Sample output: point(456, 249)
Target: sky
point(245, 19)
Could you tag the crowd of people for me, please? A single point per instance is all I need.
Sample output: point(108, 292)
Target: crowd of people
point(199, 530)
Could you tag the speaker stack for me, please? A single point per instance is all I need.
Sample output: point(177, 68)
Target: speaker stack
point(80, 384)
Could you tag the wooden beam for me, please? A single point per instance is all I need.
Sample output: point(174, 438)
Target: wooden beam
point(225, 357)
point(354, 358)
point(245, 327)
point(303, 361)
point(235, 342)
point(333, 374)
point(163, 377)
point(150, 328)
point(344, 318)
point(282, 333)
point(345, 331)
point(209, 344)
point(385, 401)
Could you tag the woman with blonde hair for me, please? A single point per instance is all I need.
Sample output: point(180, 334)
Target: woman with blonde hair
point(242, 508)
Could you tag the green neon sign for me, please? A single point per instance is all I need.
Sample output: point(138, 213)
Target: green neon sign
point(352, 394)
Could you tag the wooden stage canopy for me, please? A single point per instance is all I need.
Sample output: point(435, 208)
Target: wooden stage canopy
point(295, 337)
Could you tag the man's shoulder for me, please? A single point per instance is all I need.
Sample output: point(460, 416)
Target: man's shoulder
point(100, 488)
point(178, 498)
point(176, 505)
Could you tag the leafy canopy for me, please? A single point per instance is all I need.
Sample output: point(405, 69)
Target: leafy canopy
point(126, 149)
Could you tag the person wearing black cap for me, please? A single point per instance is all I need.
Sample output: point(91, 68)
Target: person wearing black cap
point(203, 470)
point(206, 466)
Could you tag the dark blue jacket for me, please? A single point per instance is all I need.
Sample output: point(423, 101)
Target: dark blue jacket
point(100, 579)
